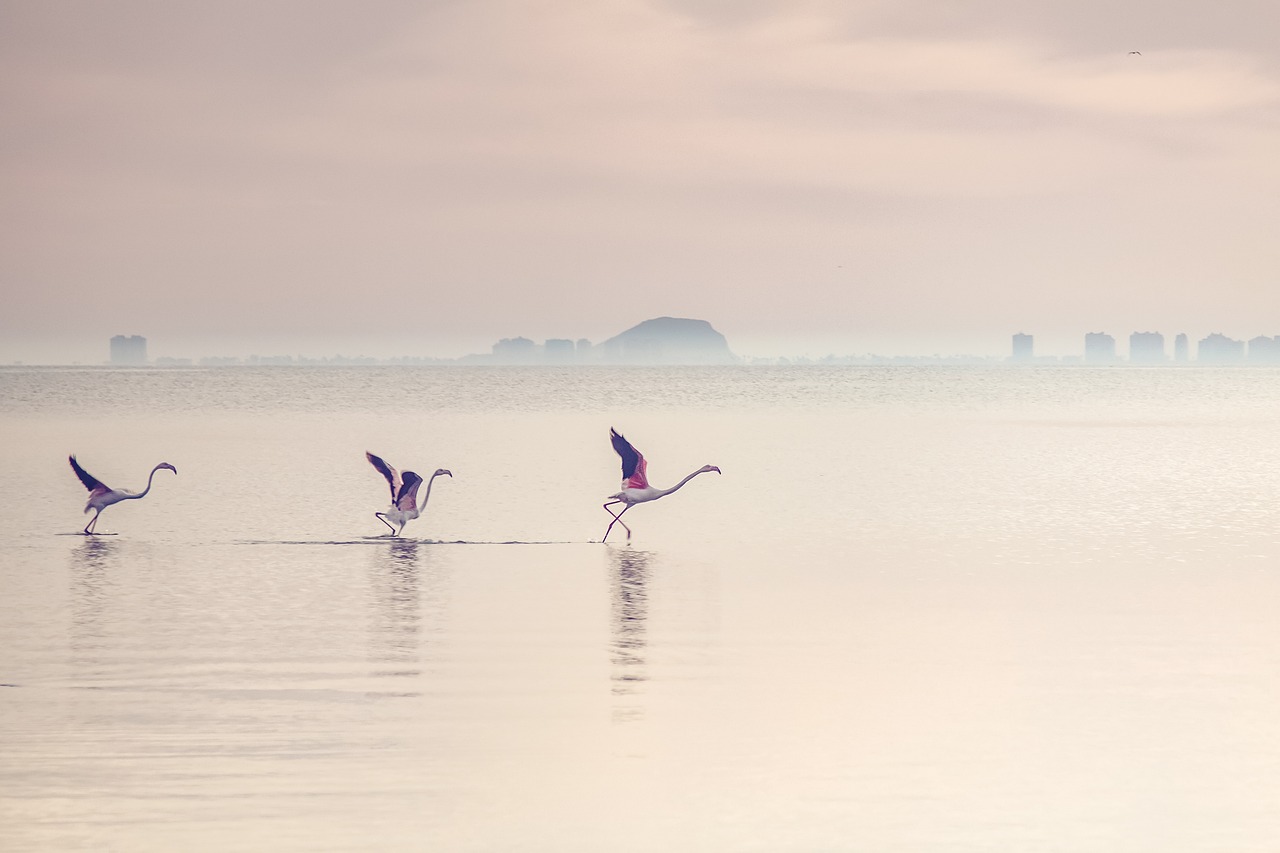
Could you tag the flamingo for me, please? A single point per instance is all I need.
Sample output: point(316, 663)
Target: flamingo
point(635, 482)
point(404, 493)
point(102, 496)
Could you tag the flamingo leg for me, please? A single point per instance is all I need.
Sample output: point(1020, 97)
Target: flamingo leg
point(89, 528)
point(617, 519)
point(381, 518)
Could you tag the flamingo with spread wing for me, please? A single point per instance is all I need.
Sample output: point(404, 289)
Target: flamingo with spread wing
point(635, 482)
point(404, 494)
point(102, 496)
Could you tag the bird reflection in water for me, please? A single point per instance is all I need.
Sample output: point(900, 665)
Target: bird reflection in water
point(93, 562)
point(630, 599)
point(395, 581)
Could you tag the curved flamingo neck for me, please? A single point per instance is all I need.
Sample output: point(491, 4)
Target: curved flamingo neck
point(427, 495)
point(150, 477)
point(664, 492)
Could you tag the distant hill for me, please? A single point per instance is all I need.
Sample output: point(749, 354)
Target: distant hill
point(668, 340)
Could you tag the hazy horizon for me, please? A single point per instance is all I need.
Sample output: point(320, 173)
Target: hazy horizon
point(1063, 347)
point(812, 178)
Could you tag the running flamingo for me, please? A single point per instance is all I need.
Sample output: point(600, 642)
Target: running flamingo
point(102, 496)
point(635, 482)
point(404, 493)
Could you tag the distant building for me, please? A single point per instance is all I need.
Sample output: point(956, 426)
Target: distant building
point(1023, 347)
point(1146, 348)
point(1181, 348)
point(129, 350)
point(1219, 349)
point(515, 351)
point(583, 349)
point(1099, 348)
point(1265, 350)
point(558, 351)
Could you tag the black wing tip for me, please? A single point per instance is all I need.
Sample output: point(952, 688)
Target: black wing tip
point(90, 482)
point(385, 470)
point(620, 441)
point(630, 456)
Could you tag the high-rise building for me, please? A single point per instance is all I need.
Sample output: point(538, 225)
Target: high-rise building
point(515, 351)
point(1219, 349)
point(1146, 348)
point(1023, 347)
point(558, 351)
point(1181, 348)
point(129, 350)
point(1265, 350)
point(1099, 348)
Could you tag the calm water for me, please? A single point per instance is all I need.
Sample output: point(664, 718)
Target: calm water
point(923, 609)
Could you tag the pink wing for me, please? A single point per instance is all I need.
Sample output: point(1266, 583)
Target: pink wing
point(407, 500)
point(639, 480)
point(633, 464)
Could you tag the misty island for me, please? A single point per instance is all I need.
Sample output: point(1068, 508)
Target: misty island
point(662, 340)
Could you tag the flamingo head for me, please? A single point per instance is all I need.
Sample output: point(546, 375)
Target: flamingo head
point(706, 468)
point(444, 471)
point(168, 466)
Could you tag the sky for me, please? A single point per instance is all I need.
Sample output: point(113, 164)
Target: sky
point(389, 178)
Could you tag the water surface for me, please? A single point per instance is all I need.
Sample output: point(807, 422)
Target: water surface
point(923, 609)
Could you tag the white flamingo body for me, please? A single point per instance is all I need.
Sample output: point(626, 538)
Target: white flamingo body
point(635, 482)
point(102, 496)
point(398, 517)
point(404, 494)
point(639, 496)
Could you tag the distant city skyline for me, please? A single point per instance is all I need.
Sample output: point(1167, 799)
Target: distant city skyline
point(995, 345)
point(1148, 348)
point(1096, 348)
